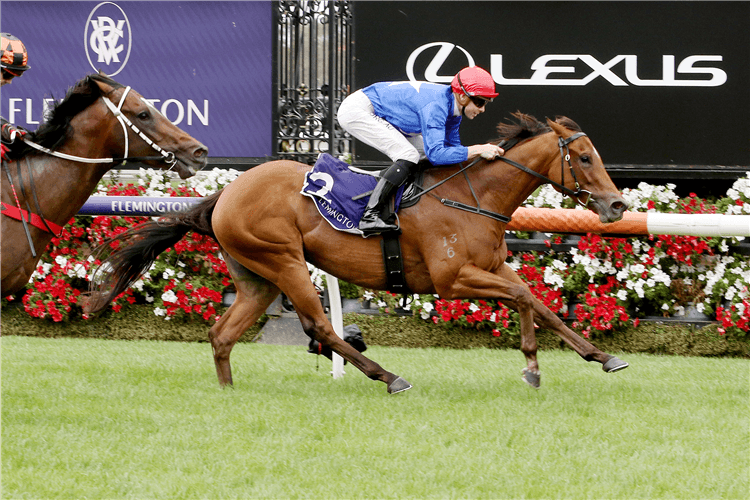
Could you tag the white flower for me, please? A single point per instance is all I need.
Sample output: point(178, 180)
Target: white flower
point(78, 271)
point(169, 296)
point(159, 311)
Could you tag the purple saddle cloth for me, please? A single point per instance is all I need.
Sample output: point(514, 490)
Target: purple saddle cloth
point(332, 185)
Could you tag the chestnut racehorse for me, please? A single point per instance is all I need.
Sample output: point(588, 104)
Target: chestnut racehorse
point(44, 186)
point(268, 231)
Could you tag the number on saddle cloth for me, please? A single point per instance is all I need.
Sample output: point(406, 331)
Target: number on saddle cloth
point(335, 189)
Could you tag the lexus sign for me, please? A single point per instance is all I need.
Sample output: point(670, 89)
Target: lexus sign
point(653, 83)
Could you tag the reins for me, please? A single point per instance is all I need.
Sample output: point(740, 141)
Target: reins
point(564, 157)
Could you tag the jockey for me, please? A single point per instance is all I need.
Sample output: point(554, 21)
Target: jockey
point(408, 121)
point(13, 62)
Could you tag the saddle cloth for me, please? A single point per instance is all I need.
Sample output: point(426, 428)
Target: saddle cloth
point(331, 184)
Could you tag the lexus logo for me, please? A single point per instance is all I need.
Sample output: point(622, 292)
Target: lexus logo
point(619, 70)
point(431, 73)
point(108, 38)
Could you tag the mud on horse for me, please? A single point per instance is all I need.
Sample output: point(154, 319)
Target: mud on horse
point(268, 232)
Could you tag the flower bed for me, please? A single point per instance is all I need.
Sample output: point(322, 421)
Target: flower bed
point(601, 285)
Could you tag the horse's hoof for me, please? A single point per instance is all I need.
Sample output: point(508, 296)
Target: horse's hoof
point(533, 378)
point(398, 385)
point(614, 364)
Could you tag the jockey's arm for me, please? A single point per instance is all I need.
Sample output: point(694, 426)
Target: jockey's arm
point(487, 151)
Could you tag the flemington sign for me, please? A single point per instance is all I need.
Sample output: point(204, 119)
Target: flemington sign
point(652, 82)
point(206, 66)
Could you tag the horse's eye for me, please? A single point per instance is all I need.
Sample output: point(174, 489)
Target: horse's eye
point(144, 115)
point(585, 159)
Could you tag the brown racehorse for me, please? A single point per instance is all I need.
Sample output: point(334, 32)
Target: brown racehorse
point(96, 120)
point(267, 232)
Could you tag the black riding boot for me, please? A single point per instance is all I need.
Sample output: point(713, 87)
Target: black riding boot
point(393, 178)
point(371, 223)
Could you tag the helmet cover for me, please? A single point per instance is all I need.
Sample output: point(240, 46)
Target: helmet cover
point(474, 81)
point(14, 56)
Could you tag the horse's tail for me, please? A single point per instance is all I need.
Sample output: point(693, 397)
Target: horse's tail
point(137, 249)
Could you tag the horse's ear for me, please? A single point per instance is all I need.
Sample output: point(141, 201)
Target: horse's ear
point(559, 129)
point(102, 73)
point(103, 86)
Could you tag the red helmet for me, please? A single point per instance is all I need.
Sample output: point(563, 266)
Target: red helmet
point(14, 56)
point(474, 82)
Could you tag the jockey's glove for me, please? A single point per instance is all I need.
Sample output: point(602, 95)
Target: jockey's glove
point(9, 133)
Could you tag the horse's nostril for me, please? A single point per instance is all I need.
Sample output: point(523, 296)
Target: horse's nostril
point(619, 206)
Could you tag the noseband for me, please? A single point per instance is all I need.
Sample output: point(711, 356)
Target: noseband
point(166, 156)
point(565, 157)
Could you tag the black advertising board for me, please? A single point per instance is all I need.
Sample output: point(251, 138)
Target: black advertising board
point(652, 83)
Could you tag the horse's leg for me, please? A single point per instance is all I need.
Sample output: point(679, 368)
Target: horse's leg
point(296, 284)
point(254, 295)
point(507, 287)
point(472, 281)
point(547, 319)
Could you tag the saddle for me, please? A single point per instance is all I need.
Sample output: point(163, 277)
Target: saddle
point(340, 193)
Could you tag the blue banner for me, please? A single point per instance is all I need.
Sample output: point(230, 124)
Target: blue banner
point(135, 205)
point(207, 66)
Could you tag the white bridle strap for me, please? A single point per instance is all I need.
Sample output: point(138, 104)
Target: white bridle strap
point(168, 156)
point(125, 122)
point(120, 117)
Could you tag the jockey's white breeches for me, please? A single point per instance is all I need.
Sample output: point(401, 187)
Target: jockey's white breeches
point(357, 116)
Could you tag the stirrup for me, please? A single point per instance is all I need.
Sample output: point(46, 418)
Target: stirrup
point(371, 223)
point(376, 226)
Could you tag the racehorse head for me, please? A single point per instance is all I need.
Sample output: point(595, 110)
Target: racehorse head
point(123, 124)
point(581, 170)
point(145, 124)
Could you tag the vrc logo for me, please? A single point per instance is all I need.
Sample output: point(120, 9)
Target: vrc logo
point(108, 38)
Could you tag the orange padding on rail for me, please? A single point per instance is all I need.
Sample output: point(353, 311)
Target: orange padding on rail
point(561, 220)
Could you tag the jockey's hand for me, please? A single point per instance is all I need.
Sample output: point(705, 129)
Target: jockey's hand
point(486, 151)
point(10, 133)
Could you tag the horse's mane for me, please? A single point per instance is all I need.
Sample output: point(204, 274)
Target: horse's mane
point(53, 131)
point(526, 126)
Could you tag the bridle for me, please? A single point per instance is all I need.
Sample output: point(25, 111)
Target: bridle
point(166, 156)
point(562, 144)
point(37, 219)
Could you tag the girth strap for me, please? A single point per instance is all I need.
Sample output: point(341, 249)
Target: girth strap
point(394, 263)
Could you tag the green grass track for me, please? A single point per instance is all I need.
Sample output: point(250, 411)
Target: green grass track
point(144, 419)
